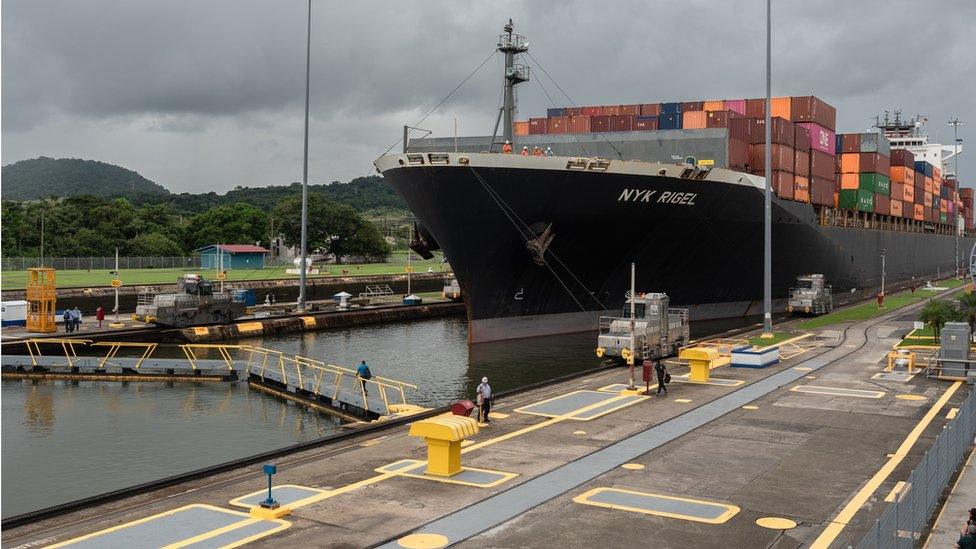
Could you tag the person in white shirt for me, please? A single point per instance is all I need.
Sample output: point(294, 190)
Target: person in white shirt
point(484, 400)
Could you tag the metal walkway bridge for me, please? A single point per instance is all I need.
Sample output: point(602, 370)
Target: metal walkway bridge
point(291, 376)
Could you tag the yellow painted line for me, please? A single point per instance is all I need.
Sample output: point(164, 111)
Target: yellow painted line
point(372, 441)
point(505, 476)
point(497, 415)
point(802, 368)
point(909, 396)
point(682, 400)
point(632, 466)
point(212, 533)
point(953, 412)
point(785, 341)
point(244, 541)
point(466, 442)
point(895, 490)
point(836, 526)
point(836, 391)
point(730, 510)
point(750, 407)
point(239, 501)
point(579, 432)
point(810, 377)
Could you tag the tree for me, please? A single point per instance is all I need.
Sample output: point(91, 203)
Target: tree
point(229, 224)
point(154, 245)
point(333, 228)
point(937, 312)
point(967, 309)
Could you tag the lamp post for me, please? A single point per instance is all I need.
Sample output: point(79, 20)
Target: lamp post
point(302, 267)
point(882, 270)
point(767, 218)
point(955, 123)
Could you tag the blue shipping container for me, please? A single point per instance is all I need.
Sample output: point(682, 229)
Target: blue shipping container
point(669, 121)
point(555, 112)
point(838, 143)
point(670, 108)
point(247, 297)
point(922, 166)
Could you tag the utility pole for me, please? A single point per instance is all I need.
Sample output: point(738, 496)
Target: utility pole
point(42, 239)
point(633, 324)
point(304, 260)
point(116, 286)
point(767, 218)
point(955, 123)
point(882, 270)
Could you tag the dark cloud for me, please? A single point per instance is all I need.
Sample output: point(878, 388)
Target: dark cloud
point(208, 95)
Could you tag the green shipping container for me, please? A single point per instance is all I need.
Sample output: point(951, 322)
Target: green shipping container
point(875, 182)
point(856, 199)
point(944, 218)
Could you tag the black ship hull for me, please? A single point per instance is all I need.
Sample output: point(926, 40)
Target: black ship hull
point(699, 241)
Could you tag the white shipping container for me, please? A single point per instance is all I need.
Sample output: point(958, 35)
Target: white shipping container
point(13, 313)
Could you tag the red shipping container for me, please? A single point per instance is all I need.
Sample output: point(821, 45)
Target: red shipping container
point(558, 124)
point(579, 124)
point(882, 204)
point(821, 138)
point(802, 138)
point(821, 164)
point(811, 109)
point(783, 184)
point(738, 154)
point(783, 132)
point(929, 185)
point(919, 194)
point(713, 106)
point(744, 129)
point(918, 212)
point(873, 163)
point(591, 111)
point(850, 142)
point(897, 191)
point(756, 108)
point(822, 191)
point(720, 119)
point(801, 166)
point(919, 179)
point(687, 106)
point(901, 157)
point(610, 110)
point(737, 106)
point(650, 109)
point(600, 123)
point(801, 188)
point(572, 111)
point(693, 120)
point(622, 123)
point(537, 125)
point(929, 215)
point(632, 110)
point(896, 208)
point(645, 123)
point(782, 158)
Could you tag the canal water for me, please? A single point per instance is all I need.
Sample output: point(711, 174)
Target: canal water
point(63, 441)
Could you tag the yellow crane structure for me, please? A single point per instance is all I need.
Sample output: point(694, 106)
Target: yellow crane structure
point(41, 296)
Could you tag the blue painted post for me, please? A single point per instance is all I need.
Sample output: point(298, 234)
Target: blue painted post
point(270, 503)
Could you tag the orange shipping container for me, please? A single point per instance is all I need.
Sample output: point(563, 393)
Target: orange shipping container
point(694, 120)
point(610, 110)
point(902, 174)
point(936, 173)
point(850, 180)
point(522, 127)
point(928, 185)
point(919, 213)
point(927, 200)
point(782, 107)
point(850, 163)
point(558, 124)
point(896, 209)
point(909, 194)
point(714, 106)
point(802, 164)
point(801, 189)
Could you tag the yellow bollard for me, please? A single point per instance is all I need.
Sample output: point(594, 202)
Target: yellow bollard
point(443, 435)
point(700, 361)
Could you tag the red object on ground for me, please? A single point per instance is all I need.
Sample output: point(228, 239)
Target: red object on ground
point(100, 314)
point(462, 408)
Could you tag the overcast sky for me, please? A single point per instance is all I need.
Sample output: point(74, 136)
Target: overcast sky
point(206, 95)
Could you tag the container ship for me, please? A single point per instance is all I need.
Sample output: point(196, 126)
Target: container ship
point(541, 222)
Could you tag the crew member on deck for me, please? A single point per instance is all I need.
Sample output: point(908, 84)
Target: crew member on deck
point(525, 151)
point(536, 151)
point(507, 147)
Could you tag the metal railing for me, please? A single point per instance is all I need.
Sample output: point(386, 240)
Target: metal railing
point(323, 378)
point(902, 522)
point(101, 263)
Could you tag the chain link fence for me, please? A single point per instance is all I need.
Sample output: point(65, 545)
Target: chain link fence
point(903, 521)
point(101, 263)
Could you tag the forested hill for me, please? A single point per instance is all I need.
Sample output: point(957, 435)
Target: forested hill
point(63, 177)
point(365, 194)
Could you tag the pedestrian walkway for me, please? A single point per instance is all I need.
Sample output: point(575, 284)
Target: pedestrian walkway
point(950, 521)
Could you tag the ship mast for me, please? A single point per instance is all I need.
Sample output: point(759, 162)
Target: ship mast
point(511, 45)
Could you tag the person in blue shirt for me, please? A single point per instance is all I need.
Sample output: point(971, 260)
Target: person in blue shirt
point(363, 373)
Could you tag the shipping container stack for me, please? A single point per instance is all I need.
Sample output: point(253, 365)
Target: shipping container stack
point(862, 174)
point(966, 206)
point(902, 176)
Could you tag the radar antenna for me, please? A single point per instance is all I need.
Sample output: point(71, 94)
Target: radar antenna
point(511, 45)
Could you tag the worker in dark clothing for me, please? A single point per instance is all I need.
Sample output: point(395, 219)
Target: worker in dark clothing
point(968, 539)
point(68, 324)
point(662, 374)
point(363, 374)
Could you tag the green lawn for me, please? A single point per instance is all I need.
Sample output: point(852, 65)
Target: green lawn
point(777, 337)
point(870, 309)
point(16, 280)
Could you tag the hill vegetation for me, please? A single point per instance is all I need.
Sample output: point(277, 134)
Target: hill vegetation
point(45, 177)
